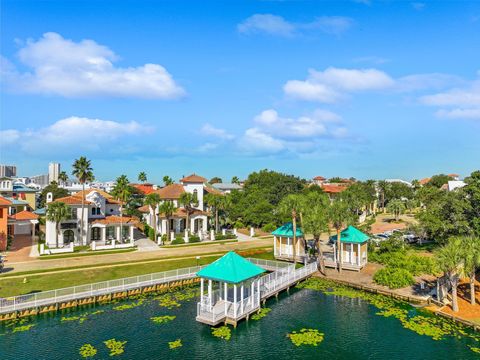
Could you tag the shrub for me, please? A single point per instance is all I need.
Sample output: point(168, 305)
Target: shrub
point(219, 236)
point(394, 278)
point(178, 241)
point(268, 228)
point(193, 239)
point(239, 225)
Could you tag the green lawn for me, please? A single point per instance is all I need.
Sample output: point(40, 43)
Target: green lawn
point(89, 253)
point(201, 243)
point(61, 279)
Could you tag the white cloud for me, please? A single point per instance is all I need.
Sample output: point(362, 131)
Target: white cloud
point(210, 130)
point(276, 25)
point(471, 114)
point(72, 135)
point(329, 85)
point(80, 69)
point(266, 23)
point(256, 141)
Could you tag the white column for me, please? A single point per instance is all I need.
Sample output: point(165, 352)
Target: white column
point(186, 236)
point(351, 253)
point(274, 245)
point(252, 232)
point(117, 230)
point(131, 233)
point(226, 297)
point(235, 232)
point(201, 290)
point(235, 301)
point(104, 234)
point(251, 294)
point(192, 226)
point(94, 245)
point(334, 253)
point(172, 235)
point(241, 299)
point(258, 290)
point(224, 231)
point(210, 293)
point(358, 255)
point(212, 235)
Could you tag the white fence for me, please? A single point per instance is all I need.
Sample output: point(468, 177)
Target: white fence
point(113, 245)
point(66, 249)
point(44, 298)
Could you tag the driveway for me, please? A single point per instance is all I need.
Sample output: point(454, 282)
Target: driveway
point(20, 249)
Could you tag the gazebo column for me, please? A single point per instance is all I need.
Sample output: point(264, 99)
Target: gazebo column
point(258, 291)
point(201, 290)
point(225, 287)
point(252, 298)
point(241, 299)
point(275, 245)
point(351, 253)
point(358, 255)
point(210, 293)
point(235, 301)
point(334, 253)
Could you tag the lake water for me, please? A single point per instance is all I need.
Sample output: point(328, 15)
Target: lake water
point(351, 327)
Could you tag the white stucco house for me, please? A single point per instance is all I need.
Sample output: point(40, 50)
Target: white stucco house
point(102, 222)
point(193, 184)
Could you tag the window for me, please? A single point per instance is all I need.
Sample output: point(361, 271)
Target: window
point(96, 211)
point(96, 233)
point(111, 233)
point(195, 194)
point(68, 237)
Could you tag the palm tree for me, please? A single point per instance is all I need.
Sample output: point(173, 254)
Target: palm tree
point(383, 188)
point(449, 260)
point(142, 176)
point(315, 221)
point(215, 201)
point(167, 180)
point(396, 207)
point(167, 208)
point(340, 216)
point(83, 171)
point(189, 201)
point(63, 177)
point(471, 255)
point(290, 204)
point(122, 191)
point(235, 180)
point(152, 200)
point(58, 212)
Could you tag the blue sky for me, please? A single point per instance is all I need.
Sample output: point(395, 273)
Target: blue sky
point(370, 89)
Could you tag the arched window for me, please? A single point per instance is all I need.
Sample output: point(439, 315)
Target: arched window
point(195, 193)
point(68, 236)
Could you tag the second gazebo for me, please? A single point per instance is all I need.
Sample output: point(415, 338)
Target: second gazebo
point(283, 243)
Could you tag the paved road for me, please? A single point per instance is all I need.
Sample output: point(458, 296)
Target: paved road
point(158, 253)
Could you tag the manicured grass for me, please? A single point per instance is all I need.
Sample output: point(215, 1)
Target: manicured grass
point(200, 243)
point(61, 279)
point(90, 253)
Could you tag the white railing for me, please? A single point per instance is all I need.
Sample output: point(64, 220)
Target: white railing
point(102, 288)
point(270, 264)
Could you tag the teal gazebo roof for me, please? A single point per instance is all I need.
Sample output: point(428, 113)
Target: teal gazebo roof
point(286, 230)
point(230, 268)
point(351, 235)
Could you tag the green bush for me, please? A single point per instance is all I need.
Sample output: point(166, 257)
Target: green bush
point(394, 278)
point(239, 225)
point(219, 236)
point(193, 239)
point(178, 241)
point(268, 228)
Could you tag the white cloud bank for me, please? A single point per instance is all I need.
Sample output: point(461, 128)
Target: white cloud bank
point(72, 135)
point(277, 26)
point(82, 69)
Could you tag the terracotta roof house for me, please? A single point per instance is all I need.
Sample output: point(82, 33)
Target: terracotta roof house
point(177, 223)
point(4, 205)
point(102, 223)
point(23, 223)
point(319, 180)
point(424, 181)
point(145, 188)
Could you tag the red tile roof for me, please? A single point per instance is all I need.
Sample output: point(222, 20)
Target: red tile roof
point(114, 220)
point(319, 178)
point(212, 190)
point(144, 209)
point(72, 200)
point(144, 188)
point(170, 192)
point(424, 181)
point(24, 215)
point(453, 175)
point(333, 189)
point(194, 178)
point(76, 199)
point(4, 202)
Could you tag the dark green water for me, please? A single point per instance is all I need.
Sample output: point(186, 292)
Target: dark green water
point(352, 331)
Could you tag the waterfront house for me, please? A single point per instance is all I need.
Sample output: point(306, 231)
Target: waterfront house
point(4, 205)
point(198, 216)
point(354, 247)
point(18, 191)
point(102, 221)
point(283, 243)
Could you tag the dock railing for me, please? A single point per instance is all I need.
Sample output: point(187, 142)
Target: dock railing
point(51, 297)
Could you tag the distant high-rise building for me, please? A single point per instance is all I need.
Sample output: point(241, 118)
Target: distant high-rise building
point(41, 180)
point(8, 170)
point(53, 172)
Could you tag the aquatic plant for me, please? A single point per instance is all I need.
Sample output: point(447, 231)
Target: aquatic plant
point(222, 332)
point(168, 302)
point(306, 337)
point(129, 306)
point(261, 313)
point(162, 319)
point(80, 318)
point(87, 351)
point(175, 344)
point(22, 328)
point(475, 349)
point(115, 347)
point(421, 322)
